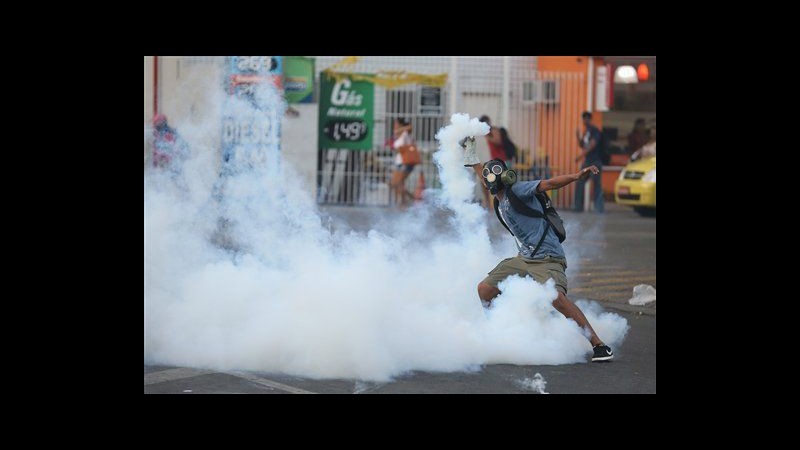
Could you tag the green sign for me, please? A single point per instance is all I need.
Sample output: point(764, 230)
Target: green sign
point(345, 113)
point(298, 79)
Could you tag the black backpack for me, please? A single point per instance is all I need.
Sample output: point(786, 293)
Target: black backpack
point(508, 144)
point(552, 219)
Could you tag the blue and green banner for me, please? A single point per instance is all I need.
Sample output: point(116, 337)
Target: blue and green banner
point(298, 79)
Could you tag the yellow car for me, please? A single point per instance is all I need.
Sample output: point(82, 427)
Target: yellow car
point(636, 186)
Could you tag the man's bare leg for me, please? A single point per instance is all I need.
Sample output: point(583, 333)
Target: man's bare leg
point(398, 186)
point(487, 292)
point(563, 305)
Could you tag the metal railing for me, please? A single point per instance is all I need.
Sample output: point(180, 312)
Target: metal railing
point(541, 111)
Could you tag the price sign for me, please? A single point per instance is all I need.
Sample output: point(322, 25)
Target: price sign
point(251, 130)
point(257, 64)
point(346, 130)
point(249, 133)
point(345, 113)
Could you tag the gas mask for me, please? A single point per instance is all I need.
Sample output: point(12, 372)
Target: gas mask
point(496, 175)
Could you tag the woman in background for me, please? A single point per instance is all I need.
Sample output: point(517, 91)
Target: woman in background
point(403, 138)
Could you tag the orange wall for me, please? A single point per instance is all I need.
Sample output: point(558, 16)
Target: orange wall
point(558, 123)
point(579, 64)
point(563, 63)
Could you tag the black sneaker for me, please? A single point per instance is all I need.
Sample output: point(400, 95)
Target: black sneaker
point(602, 353)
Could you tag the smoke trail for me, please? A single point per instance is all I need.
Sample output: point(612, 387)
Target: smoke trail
point(360, 387)
point(584, 239)
point(242, 273)
point(536, 384)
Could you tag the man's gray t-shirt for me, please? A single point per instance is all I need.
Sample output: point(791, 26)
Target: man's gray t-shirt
point(528, 230)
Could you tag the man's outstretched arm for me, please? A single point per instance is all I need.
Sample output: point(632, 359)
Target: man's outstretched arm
point(563, 180)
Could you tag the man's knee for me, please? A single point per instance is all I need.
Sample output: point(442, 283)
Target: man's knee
point(561, 302)
point(487, 291)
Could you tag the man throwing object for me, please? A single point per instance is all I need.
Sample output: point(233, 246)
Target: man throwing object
point(540, 253)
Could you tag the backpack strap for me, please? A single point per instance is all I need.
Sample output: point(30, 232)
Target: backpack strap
point(544, 200)
point(500, 218)
point(546, 229)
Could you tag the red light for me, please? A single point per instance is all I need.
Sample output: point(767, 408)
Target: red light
point(642, 72)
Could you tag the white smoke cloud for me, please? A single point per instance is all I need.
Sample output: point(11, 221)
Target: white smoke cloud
point(536, 384)
point(584, 240)
point(278, 291)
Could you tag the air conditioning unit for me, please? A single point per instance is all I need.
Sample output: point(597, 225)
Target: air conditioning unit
point(540, 91)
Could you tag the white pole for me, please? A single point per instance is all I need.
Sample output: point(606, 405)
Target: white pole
point(590, 84)
point(453, 83)
point(506, 89)
point(587, 199)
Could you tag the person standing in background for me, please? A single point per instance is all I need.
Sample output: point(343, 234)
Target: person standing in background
point(403, 140)
point(588, 142)
point(495, 141)
point(168, 147)
point(638, 136)
point(496, 151)
point(648, 150)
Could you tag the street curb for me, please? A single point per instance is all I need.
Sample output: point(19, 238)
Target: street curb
point(627, 308)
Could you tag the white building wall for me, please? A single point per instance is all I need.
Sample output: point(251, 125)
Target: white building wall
point(190, 88)
point(148, 88)
point(299, 142)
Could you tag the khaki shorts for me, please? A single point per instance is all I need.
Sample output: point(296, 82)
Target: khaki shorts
point(539, 269)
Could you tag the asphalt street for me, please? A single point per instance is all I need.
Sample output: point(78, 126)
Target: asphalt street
point(610, 253)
